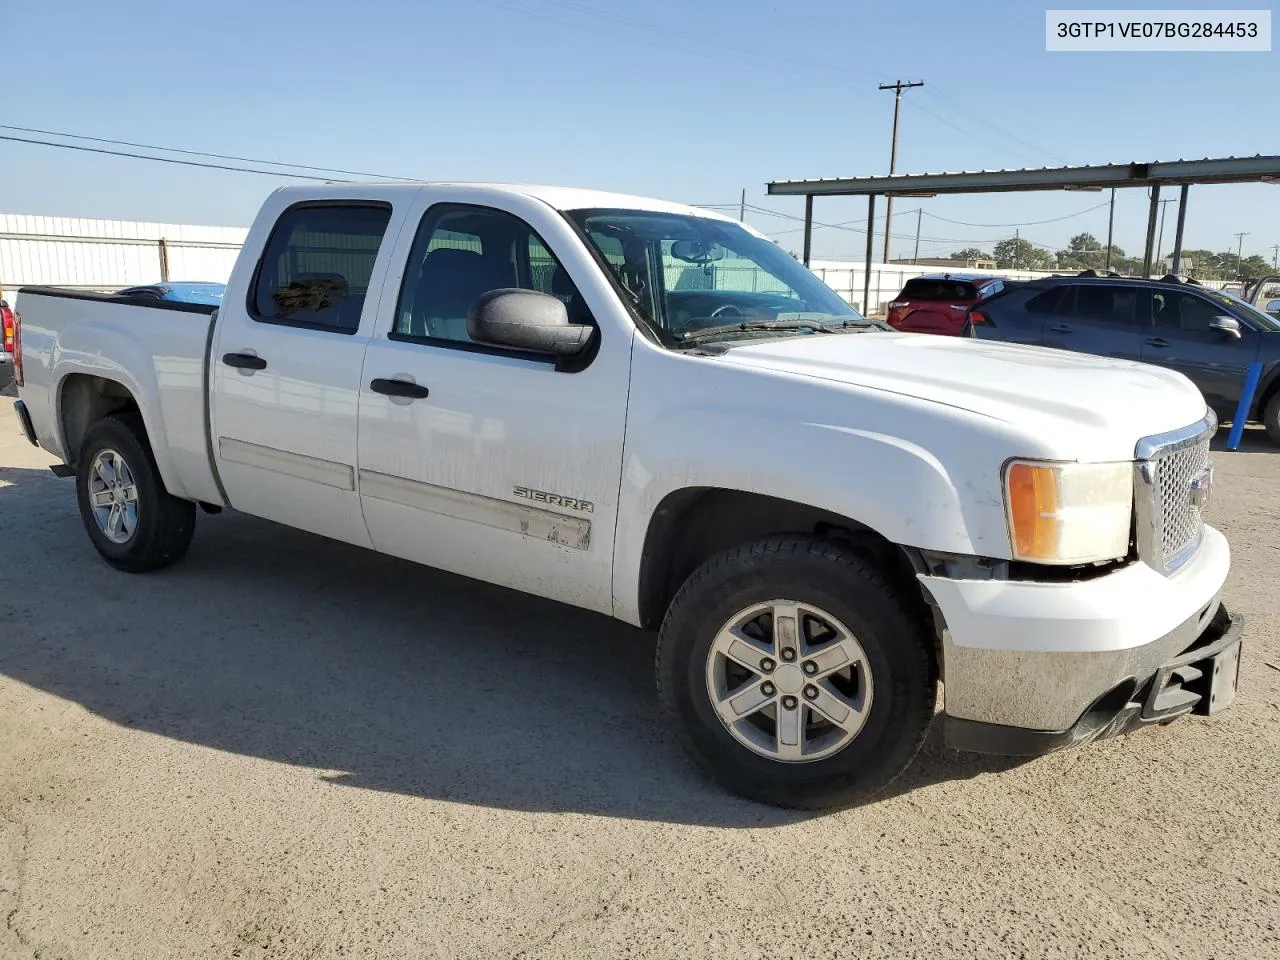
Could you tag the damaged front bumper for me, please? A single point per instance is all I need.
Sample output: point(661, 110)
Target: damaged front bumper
point(1201, 680)
point(1030, 667)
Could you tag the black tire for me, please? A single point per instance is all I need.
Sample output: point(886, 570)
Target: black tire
point(892, 633)
point(165, 524)
point(1271, 418)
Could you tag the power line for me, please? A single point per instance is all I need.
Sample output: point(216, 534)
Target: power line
point(185, 163)
point(955, 126)
point(978, 118)
point(1028, 223)
point(195, 153)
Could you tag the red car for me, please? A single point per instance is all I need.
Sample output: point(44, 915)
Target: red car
point(936, 303)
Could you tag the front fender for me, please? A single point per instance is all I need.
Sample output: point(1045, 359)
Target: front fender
point(908, 491)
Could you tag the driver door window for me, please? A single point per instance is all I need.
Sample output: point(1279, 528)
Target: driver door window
point(1182, 311)
point(1181, 339)
point(459, 254)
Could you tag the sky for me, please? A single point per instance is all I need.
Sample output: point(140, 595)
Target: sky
point(688, 100)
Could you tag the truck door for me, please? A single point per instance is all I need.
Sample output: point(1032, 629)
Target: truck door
point(285, 367)
point(483, 460)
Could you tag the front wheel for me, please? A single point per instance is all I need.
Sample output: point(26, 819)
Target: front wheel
point(132, 520)
point(796, 673)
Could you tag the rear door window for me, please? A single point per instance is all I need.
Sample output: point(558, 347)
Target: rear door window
point(1115, 305)
point(1049, 301)
point(315, 270)
point(926, 289)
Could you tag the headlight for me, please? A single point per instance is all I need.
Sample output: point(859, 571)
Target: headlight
point(1068, 512)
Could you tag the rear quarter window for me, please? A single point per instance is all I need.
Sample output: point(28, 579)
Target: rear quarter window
point(923, 289)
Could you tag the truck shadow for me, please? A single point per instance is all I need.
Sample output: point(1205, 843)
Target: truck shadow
point(1253, 439)
point(378, 673)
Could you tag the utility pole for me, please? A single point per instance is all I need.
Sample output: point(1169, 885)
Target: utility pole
point(915, 257)
point(1111, 222)
point(1275, 256)
point(897, 89)
point(742, 206)
point(1239, 250)
point(1017, 242)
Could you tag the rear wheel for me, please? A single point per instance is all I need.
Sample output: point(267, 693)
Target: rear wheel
point(1271, 418)
point(796, 673)
point(132, 520)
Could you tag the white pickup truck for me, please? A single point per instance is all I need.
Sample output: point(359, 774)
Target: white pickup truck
point(653, 412)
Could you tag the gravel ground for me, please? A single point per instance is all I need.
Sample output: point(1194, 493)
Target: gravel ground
point(287, 747)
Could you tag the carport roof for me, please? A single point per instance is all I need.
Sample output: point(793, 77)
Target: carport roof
point(1258, 169)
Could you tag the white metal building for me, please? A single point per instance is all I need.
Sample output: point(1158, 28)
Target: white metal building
point(108, 254)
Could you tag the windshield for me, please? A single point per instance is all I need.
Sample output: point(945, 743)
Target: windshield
point(1264, 320)
point(685, 274)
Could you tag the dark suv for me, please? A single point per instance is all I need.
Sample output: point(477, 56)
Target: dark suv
point(1210, 336)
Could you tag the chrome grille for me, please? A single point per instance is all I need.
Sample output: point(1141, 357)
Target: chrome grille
point(1173, 480)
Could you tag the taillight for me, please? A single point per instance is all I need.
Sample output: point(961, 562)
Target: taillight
point(7, 324)
point(17, 345)
point(894, 315)
point(977, 316)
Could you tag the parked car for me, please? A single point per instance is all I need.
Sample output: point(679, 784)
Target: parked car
point(1210, 336)
point(936, 303)
point(8, 330)
point(178, 292)
point(822, 517)
point(1263, 292)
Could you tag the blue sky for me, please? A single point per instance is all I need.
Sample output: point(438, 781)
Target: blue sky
point(691, 100)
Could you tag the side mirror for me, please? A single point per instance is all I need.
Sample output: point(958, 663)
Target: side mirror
point(526, 320)
point(1227, 326)
point(1273, 306)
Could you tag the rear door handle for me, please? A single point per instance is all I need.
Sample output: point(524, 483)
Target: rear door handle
point(244, 361)
point(1060, 328)
point(1157, 342)
point(399, 388)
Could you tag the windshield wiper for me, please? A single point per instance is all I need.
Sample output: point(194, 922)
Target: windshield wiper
point(696, 336)
point(708, 333)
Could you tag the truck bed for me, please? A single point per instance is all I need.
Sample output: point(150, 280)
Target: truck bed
point(73, 341)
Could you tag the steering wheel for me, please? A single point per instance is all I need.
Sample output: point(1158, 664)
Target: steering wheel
point(728, 311)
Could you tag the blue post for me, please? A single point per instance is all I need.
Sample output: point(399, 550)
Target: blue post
point(1246, 403)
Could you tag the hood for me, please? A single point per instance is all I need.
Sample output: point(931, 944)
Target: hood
point(1033, 388)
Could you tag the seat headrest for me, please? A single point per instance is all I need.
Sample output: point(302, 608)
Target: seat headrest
point(561, 284)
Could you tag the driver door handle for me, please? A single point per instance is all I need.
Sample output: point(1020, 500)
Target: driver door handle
point(244, 361)
point(1157, 342)
point(1060, 328)
point(399, 388)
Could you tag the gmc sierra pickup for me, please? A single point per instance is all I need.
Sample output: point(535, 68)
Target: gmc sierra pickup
point(652, 411)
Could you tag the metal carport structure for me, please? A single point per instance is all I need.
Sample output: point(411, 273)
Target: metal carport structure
point(1182, 173)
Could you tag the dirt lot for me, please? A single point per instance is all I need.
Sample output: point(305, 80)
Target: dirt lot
point(287, 747)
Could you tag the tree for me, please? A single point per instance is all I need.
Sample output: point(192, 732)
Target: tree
point(970, 253)
point(1255, 266)
point(1018, 254)
point(1083, 251)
